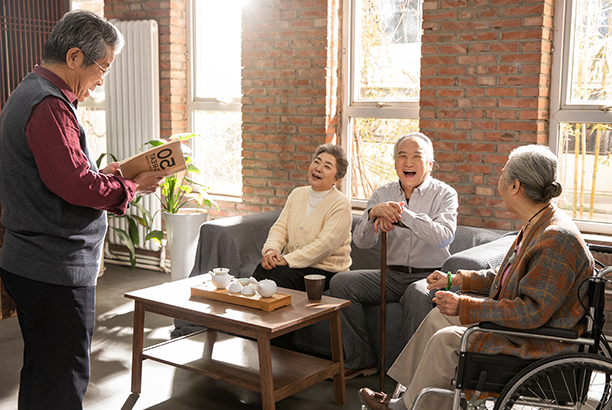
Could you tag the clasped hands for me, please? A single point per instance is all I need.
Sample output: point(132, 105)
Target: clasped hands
point(272, 259)
point(385, 215)
point(447, 302)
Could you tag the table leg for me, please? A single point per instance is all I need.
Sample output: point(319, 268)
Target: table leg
point(265, 371)
point(336, 346)
point(137, 346)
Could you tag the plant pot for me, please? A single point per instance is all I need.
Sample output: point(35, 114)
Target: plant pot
point(183, 230)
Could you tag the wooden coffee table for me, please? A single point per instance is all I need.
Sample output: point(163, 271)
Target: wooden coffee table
point(247, 359)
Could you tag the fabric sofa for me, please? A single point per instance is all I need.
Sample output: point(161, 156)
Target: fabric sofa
point(236, 243)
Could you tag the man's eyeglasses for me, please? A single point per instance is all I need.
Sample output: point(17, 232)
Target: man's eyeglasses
point(104, 70)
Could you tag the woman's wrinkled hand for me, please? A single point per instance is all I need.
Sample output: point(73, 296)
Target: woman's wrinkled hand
point(272, 259)
point(439, 280)
point(447, 303)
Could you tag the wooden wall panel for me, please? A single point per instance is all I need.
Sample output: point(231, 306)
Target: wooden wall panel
point(24, 28)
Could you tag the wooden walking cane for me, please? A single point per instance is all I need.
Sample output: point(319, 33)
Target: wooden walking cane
point(383, 307)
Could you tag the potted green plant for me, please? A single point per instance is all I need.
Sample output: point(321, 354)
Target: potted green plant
point(131, 237)
point(177, 189)
point(182, 221)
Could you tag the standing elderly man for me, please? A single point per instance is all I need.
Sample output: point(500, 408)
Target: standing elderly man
point(54, 201)
point(420, 215)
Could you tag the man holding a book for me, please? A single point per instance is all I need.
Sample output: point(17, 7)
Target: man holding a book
point(54, 201)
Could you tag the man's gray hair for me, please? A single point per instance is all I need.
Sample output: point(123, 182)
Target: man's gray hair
point(535, 167)
point(419, 135)
point(83, 29)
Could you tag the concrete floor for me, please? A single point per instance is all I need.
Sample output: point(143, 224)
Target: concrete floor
point(163, 387)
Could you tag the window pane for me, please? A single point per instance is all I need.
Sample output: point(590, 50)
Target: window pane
point(592, 53)
point(97, 6)
point(372, 162)
point(389, 50)
point(217, 45)
point(584, 158)
point(93, 121)
point(218, 156)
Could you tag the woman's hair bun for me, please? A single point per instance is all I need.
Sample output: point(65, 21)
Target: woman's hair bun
point(553, 190)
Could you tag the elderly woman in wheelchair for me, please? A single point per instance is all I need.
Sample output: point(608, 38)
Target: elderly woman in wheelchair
point(543, 281)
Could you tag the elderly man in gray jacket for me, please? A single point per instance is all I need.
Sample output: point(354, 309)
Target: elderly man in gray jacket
point(419, 213)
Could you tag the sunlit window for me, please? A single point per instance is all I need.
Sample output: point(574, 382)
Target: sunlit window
point(381, 102)
point(215, 111)
point(92, 113)
point(389, 49)
point(585, 151)
point(581, 121)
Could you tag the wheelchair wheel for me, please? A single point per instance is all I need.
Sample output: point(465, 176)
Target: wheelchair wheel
point(568, 381)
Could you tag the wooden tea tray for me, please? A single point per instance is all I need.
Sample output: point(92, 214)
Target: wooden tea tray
point(209, 291)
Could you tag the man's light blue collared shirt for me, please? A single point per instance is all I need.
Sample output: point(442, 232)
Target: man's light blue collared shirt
point(429, 219)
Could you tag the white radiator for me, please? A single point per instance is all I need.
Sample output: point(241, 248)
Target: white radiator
point(132, 105)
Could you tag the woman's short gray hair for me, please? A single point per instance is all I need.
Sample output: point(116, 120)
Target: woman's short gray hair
point(535, 167)
point(338, 152)
point(419, 135)
point(85, 30)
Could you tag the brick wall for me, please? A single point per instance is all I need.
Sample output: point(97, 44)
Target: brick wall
point(290, 87)
point(484, 91)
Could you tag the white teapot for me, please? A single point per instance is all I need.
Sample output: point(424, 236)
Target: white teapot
point(266, 288)
point(221, 277)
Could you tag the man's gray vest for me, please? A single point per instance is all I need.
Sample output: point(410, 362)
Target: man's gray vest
point(47, 239)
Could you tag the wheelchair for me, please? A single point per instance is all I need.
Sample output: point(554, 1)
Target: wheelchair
point(581, 380)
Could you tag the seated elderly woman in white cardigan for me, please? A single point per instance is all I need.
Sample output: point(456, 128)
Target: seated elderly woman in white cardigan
point(313, 232)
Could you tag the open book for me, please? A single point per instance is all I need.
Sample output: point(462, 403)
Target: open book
point(167, 157)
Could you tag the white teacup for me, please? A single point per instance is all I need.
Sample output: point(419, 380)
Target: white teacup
point(235, 287)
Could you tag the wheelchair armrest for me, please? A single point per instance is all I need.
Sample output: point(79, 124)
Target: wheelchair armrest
point(544, 331)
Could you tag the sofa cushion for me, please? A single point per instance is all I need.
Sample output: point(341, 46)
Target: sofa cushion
point(467, 237)
point(486, 256)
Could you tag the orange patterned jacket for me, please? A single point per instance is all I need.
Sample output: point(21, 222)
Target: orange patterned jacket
point(542, 287)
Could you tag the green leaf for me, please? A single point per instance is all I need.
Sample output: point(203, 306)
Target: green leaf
point(155, 143)
point(192, 182)
point(156, 235)
point(142, 221)
point(127, 241)
point(101, 157)
point(133, 229)
point(192, 168)
point(183, 136)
